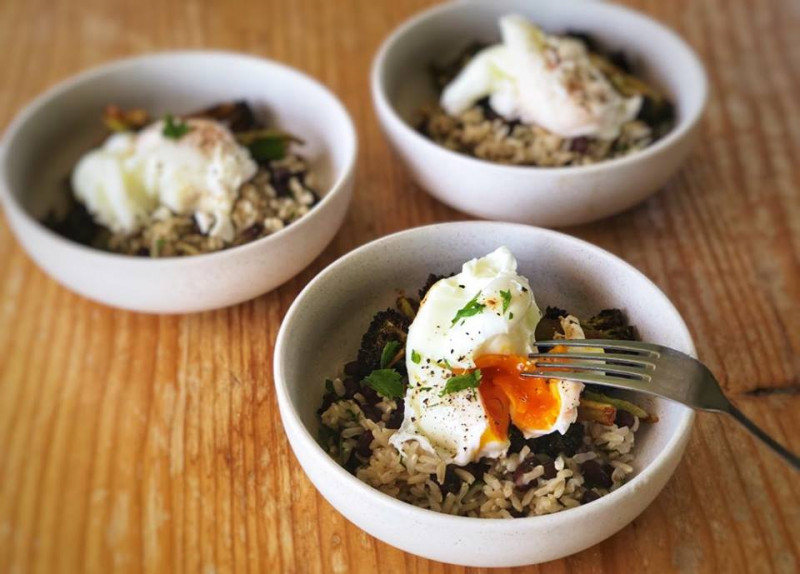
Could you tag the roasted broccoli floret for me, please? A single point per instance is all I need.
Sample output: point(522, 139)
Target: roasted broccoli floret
point(609, 324)
point(389, 325)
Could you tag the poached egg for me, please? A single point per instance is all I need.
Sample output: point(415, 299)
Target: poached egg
point(131, 175)
point(544, 80)
point(465, 351)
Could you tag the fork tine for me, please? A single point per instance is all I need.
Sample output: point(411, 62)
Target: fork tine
point(639, 373)
point(592, 379)
point(610, 358)
point(610, 344)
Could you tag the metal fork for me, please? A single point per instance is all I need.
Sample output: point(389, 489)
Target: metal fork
point(647, 368)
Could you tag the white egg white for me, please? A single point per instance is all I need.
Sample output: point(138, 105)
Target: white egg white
point(441, 343)
point(128, 178)
point(549, 81)
point(452, 425)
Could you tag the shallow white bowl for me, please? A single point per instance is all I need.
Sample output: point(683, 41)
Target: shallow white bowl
point(551, 197)
point(45, 140)
point(322, 331)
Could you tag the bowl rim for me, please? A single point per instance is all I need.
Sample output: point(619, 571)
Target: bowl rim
point(50, 96)
point(375, 497)
point(387, 110)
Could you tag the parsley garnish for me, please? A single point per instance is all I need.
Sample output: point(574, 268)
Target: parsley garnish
point(415, 357)
point(506, 295)
point(510, 316)
point(386, 382)
point(389, 351)
point(329, 387)
point(470, 309)
point(462, 382)
point(175, 130)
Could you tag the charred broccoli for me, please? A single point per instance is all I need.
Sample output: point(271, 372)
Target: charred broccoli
point(609, 324)
point(386, 326)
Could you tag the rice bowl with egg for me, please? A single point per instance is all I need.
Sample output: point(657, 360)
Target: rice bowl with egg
point(433, 411)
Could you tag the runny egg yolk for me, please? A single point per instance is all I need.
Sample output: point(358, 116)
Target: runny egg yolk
point(532, 403)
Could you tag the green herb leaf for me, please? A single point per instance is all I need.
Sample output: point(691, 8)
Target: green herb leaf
point(461, 382)
point(175, 130)
point(506, 295)
point(468, 310)
point(329, 387)
point(388, 353)
point(415, 357)
point(268, 148)
point(510, 316)
point(386, 382)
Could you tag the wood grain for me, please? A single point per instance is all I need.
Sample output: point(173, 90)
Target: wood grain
point(133, 443)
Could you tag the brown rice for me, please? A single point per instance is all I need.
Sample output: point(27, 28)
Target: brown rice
point(418, 477)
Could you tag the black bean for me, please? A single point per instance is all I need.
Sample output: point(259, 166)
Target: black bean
point(280, 181)
point(524, 468)
point(372, 412)
point(624, 419)
point(477, 469)
point(452, 483)
point(516, 438)
point(370, 395)
point(396, 418)
point(364, 441)
point(596, 474)
point(352, 369)
point(352, 463)
point(549, 470)
point(589, 496)
point(351, 387)
point(579, 145)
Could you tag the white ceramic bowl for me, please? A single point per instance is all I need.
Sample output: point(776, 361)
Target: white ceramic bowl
point(44, 141)
point(551, 197)
point(322, 331)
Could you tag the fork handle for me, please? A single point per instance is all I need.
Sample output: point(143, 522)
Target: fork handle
point(787, 455)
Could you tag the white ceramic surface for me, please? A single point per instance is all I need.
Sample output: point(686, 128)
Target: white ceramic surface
point(549, 197)
point(44, 141)
point(322, 331)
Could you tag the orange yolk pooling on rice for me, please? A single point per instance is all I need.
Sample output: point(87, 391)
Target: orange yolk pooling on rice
point(531, 403)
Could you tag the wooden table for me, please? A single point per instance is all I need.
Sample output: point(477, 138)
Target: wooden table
point(142, 443)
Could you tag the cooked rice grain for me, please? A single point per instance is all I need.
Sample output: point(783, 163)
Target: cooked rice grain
point(418, 477)
point(480, 133)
